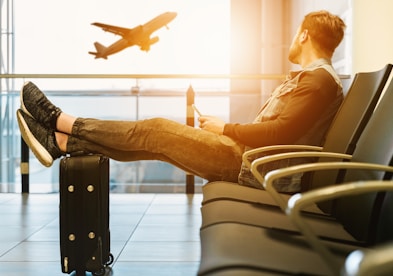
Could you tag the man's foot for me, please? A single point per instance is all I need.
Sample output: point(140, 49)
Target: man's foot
point(35, 104)
point(40, 140)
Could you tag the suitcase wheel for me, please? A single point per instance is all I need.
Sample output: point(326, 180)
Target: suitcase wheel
point(102, 269)
point(99, 272)
point(111, 259)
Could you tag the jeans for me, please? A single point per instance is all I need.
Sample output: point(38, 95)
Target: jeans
point(199, 152)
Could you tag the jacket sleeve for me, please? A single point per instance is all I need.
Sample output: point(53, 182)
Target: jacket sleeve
point(315, 91)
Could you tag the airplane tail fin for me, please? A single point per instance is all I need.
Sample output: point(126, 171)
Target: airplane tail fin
point(101, 49)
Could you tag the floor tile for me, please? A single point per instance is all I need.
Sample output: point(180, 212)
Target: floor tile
point(4, 198)
point(173, 219)
point(49, 232)
point(33, 252)
point(131, 198)
point(17, 233)
point(173, 209)
point(124, 219)
point(121, 233)
point(27, 219)
point(156, 268)
point(165, 233)
point(161, 252)
point(151, 234)
point(134, 209)
point(181, 199)
point(6, 246)
point(30, 269)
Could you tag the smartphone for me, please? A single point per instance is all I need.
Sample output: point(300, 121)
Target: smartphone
point(196, 110)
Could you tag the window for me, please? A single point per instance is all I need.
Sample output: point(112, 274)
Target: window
point(54, 37)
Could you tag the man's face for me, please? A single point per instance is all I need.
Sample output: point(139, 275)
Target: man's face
point(296, 49)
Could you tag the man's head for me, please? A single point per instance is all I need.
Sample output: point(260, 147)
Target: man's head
point(323, 30)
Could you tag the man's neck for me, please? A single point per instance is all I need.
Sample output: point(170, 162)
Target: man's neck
point(309, 59)
point(310, 55)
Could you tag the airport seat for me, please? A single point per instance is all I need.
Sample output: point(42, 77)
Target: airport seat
point(255, 238)
point(374, 146)
point(233, 209)
point(240, 249)
point(342, 137)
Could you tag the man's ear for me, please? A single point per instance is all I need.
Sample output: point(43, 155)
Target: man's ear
point(303, 36)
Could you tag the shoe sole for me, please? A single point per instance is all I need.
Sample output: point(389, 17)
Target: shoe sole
point(22, 104)
point(39, 151)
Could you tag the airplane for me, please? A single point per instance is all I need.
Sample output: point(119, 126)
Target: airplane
point(139, 35)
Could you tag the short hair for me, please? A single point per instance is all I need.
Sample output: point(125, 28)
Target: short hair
point(325, 29)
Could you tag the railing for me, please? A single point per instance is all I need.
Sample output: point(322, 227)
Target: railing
point(145, 76)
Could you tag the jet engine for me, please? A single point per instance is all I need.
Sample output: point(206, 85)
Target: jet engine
point(146, 45)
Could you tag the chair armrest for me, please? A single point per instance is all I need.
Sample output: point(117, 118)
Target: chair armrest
point(249, 153)
point(297, 202)
point(288, 155)
point(273, 175)
point(376, 261)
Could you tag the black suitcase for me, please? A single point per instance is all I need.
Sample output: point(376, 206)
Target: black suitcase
point(84, 214)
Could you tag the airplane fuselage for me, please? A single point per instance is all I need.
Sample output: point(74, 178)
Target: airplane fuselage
point(159, 21)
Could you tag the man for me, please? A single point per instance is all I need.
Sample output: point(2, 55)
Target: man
point(299, 111)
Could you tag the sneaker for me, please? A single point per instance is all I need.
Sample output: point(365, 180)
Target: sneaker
point(40, 140)
point(35, 104)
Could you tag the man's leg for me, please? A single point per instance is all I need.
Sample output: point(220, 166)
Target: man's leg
point(210, 156)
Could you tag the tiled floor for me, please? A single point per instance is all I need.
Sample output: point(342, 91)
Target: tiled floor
point(151, 234)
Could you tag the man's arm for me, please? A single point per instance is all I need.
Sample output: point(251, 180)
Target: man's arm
point(306, 103)
point(212, 124)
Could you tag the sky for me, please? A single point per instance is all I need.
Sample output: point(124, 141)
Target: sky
point(53, 36)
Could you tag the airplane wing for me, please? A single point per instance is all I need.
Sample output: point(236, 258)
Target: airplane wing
point(113, 29)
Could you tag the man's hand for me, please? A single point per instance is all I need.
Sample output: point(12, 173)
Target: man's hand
point(212, 124)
